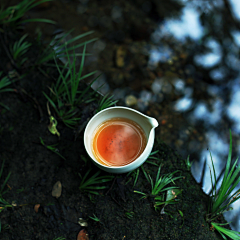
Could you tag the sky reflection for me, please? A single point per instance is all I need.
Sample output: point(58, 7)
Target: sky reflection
point(212, 58)
point(235, 4)
point(188, 26)
point(219, 57)
point(233, 109)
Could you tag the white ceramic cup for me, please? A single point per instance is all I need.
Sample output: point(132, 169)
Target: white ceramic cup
point(148, 124)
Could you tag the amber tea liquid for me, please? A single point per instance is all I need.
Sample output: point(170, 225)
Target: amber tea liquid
point(118, 142)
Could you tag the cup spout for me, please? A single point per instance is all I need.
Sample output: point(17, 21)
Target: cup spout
point(153, 122)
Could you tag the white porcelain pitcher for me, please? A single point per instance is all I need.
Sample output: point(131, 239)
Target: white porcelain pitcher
point(148, 125)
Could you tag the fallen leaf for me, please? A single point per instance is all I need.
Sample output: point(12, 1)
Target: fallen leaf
point(36, 207)
point(57, 189)
point(82, 235)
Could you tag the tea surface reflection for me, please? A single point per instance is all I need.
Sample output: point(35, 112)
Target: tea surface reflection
point(118, 142)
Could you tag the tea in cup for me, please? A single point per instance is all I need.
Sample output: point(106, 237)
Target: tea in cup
point(119, 139)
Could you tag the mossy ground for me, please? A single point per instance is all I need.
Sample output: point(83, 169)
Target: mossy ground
point(35, 169)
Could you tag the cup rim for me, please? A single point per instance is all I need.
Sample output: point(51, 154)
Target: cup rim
point(136, 161)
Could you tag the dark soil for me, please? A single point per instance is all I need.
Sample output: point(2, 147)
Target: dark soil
point(35, 169)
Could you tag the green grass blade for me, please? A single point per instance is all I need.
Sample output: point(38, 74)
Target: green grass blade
point(51, 102)
point(85, 176)
point(144, 194)
point(81, 66)
point(5, 182)
point(80, 36)
point(230, 233)
point(85, 91)
point(94, 188)
point(43, 20)
point(75, 47)
point(214, 185)
point(228, 160)
point(136, 178)
point(63, 80)
point(153, 163)
point(145, 174)
point(32, 3)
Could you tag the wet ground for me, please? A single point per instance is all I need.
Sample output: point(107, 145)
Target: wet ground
point(152, 59)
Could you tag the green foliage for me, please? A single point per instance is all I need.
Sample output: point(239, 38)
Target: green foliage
point(162, 181)
point(170, 198)
point(52, 148)
point(160, 186)
point(223, 231)
point(181, 214)
point(135, 173)
point(221, 199)
point(153, 157)
point(4, 227)
point(106, 102)
point(18, 49)
point(60, 48)
point(188, 163)
point(88, 185)
point(129, 215)
point(4, 82)
point(66, 95)
point(95, 218)
point(14, 14)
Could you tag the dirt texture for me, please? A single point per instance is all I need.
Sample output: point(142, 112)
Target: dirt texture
point(35, 211)
point(35, 214)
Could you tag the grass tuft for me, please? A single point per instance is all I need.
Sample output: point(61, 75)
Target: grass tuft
point(4, 82)
point(160, 186)
point(14, 14)
point(18, 49)
point(223, 231)
point(106, 102)
point(89, 184)
point(60, 48)
point(66, 95)
point(221, 199)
